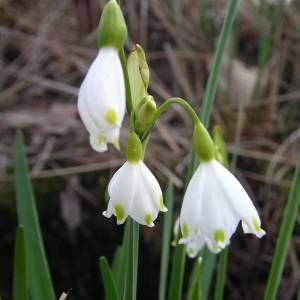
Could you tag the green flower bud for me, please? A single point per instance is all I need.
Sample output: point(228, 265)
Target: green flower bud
point(220, 146)
point(112, 30)
point(145, 114)
point(138, 72)
point(203, 144)
point(134, 150)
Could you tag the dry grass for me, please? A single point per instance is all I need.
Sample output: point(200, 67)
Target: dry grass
point(47, 46)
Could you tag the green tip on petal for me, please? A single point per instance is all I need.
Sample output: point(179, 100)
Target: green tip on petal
point(120, 213)
point(162, 206)
point(111, 117)
point(134, 151)
point(185, 231)
point(112, 30)
point(219, 236)
point(258, 229)
point(148, 219)
point(203, 144)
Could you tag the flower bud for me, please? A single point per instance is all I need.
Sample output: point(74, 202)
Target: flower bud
point(112, 30)
point(145, 114)
point(134, 150)
point(203, 144)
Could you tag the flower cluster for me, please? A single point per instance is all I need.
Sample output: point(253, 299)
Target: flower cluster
point(214, 203)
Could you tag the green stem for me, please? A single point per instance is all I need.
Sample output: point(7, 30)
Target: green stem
point(221, 274)
point(132, 261)
point(126, 80)
point(285, 233)
point(166, 239)
point(163, 107)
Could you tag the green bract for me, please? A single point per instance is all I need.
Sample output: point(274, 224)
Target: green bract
point(145, 113)
point(134, 150)
point(203, 144)
point(112, 30)
point(138, 72)
point(220, 146)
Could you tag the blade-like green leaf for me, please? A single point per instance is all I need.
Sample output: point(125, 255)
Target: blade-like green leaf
point(166, 241)
point(194, 292)
point(177, 273)
point(111, 292)
point(20, 288)
point(40, 283)
point(285, 233)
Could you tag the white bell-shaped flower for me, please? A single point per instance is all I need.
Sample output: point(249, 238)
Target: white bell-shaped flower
point(133, 190)
point(101, 99)
point(214, 203)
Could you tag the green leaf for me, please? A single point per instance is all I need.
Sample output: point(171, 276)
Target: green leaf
point(285, 234)
point(108, 280)
point(138, 72)
point(166, 241)
point(194, 292)
point(207, 270)
point(20, 288)
point(177, 273)
point(40, 283)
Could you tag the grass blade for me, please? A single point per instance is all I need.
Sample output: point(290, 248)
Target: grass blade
point(221, 274)
point(20, 288)
point(108, 280)
point(40, 283)
point(285, 233)
point(166, 241)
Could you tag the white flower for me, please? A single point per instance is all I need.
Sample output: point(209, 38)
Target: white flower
point(214, 203)
point(134, 191)
point(101, 99)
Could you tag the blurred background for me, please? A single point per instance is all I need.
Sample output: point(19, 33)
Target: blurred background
point(46, 48)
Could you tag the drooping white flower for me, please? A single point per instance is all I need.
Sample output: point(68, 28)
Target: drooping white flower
point(214, 203)
point(133, 190)
point(101, 99)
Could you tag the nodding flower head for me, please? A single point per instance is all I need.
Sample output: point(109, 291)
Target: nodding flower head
point(134, 192)
point(101, 100)
point(214, 204)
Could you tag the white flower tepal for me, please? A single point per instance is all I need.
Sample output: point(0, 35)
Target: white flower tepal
point(101, 100)
point(134, 192)
point(214, 204)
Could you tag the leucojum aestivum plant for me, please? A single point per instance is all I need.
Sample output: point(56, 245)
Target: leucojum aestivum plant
point(214, 202)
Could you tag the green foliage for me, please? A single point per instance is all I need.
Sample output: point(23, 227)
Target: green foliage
point(166, 241)
point(20, 283)
point(40, 284)
point(111, 292)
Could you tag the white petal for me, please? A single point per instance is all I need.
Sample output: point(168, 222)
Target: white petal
point(105, 88)
point(239, 200)
point(98, 143)
point(192, 205)
point(152, 186)
point(194, 247)
point(218, 220)
point(121, 190)
point(143, 209)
